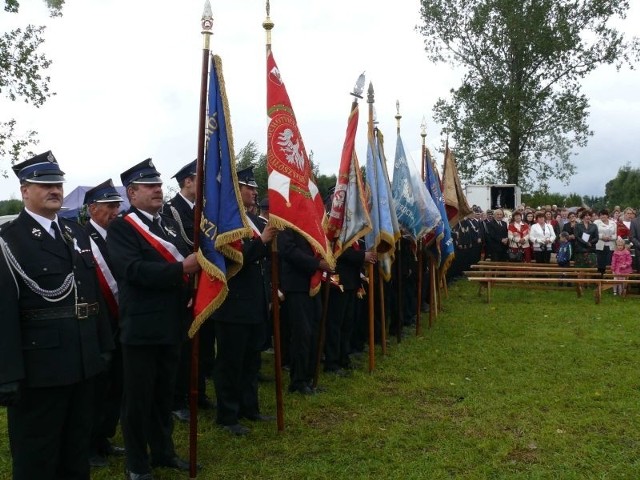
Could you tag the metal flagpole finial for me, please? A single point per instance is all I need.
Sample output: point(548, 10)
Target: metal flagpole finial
point(268, 24)
point(370, 93)
point(207, 24)
point(358, 88)
point(398, 116)
point(207, 18)
point(423, 128)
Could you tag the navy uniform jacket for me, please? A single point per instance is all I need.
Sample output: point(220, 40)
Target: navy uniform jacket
point(298, 262)
point(246, 301)
point(348, 267)
point(152, 291)
point(102, 246)
point(45, 352)
point(185, 213)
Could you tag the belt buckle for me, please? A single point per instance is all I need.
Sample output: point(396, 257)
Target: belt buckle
point(82, 311)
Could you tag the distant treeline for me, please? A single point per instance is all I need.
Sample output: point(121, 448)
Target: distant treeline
point(10, 207)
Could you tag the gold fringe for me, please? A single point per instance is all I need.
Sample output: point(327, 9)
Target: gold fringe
point(212, 270)
point(280, 223)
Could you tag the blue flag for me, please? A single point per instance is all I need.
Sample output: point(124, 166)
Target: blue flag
point(442, 246)
point(384, 223)
point(415, 209)
point(223, 221)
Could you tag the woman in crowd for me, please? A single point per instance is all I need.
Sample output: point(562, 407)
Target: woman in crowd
point(529, 217)
point(542, 237)
point(607, 234)
point(519, 237)
point(586, 234)
point(624, 223)
point(570, 228)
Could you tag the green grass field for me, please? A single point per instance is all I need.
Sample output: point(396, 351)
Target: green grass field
point(536, 385)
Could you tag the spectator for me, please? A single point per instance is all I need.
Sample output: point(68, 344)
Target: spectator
point(570, 227)
point(586, 234)
point(518, 233)
point(606, 240)
point(564, 251)
point(541, 236)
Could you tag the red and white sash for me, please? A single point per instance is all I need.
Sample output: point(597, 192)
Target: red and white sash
point(167, 250)
point(108, 284)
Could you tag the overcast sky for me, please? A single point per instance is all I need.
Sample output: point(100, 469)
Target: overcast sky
point(127, 78)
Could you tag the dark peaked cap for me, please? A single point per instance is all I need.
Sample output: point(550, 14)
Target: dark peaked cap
point(245, 177)
point(42, 168)
point(104, 193)
point(189, 170)
point(143, 172)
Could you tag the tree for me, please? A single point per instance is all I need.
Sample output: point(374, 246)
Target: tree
point(624, 189)
point(519, 110)
point(21, 77)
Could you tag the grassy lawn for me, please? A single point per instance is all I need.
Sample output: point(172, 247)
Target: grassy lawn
point(536, 385)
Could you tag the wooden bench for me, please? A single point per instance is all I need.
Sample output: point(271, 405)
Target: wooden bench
point(545, 276)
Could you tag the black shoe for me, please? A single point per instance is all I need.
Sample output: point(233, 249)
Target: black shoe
point(262, 378)
point(137, 476)
point(304, 390)
point(176, 463)
point(261, 418)
point(115, 450)
point(236, 429)
point(206, 404)
point(338, 372)
point(97, 460)
point(182, 415)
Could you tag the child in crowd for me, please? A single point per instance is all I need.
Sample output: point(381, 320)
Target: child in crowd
point(620, 265)
point(563, 257)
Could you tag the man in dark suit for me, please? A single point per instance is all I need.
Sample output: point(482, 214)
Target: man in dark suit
point(298, 264)
point(239, 325)
point(497, 237)
point(103, 204)
point(151, 264)
point(341, 317)
point(55, 336)
point(181, 209)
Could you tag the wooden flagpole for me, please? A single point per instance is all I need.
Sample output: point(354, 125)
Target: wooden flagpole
point(399, 256)
point(207, 25)
point(423, 134)
point(275, 281)
point(372, 355)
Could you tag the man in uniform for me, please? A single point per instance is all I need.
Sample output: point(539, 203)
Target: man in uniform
point(181, 209)
point(103, 204)
point(151, 264)
point(239, 325)
point(55, 336)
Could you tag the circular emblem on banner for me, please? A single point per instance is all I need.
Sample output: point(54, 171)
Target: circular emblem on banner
point(287, 148)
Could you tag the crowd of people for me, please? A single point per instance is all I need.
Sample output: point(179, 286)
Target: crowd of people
point(96, 315)
point(589, 239)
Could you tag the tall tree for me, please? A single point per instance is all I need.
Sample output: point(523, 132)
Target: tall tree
point(21, 77)
point(624, 189)
point(519, 110)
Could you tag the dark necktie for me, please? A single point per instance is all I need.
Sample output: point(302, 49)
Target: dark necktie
point(56, 230)
point(156, 228)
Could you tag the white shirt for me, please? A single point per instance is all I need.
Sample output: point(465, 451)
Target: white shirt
point(44, 222)
point(101, 231)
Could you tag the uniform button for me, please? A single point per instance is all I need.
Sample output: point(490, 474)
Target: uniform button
point(33, 343)
point(79, 283)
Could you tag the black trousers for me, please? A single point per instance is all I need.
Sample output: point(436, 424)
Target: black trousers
point(603, 258)
point(49, 432)
point(235, 374)
point(303, 313)
point(108, 403)
point(339, 328)
point(542, 257)
point(149, 380)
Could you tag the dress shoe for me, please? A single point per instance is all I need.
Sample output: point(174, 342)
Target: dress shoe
point(261, 418)
point(262, 378)
point(176, 463)
point(97, 460)
point(304, 390)
point(137, 476)
point(182, 415)
point(115, 450)
point(338, 372)
point(206, 404)
point(236, 429)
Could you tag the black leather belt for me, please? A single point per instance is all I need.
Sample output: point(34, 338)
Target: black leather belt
point(79, 311)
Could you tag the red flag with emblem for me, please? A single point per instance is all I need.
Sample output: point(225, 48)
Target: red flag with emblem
point(294, 199)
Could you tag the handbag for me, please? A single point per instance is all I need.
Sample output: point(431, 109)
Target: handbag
point(516, 256)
